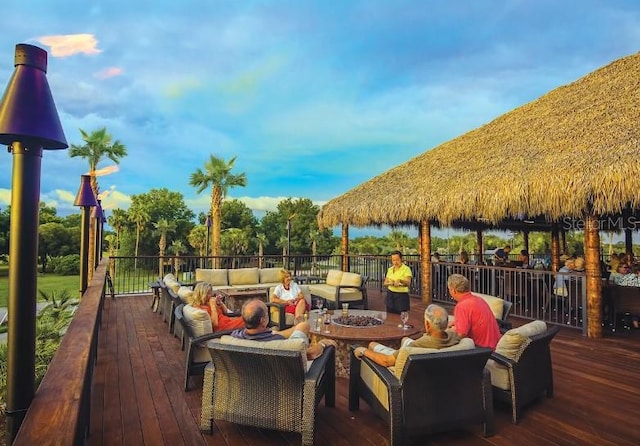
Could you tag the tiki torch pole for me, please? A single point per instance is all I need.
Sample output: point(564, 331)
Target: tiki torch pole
point(29, 123)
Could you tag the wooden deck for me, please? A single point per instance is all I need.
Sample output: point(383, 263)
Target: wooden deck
point(137, 396)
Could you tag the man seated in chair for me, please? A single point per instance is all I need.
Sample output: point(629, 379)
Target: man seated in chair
point(436, 336)
point(256, 318)
point(473, 317)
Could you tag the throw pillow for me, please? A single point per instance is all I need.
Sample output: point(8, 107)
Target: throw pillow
point(405, 352)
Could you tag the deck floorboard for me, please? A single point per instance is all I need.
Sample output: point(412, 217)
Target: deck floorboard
point(138, 396)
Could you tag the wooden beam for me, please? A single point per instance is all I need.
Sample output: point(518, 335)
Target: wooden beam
point(425, 260)
point(594, 278)
point(345, 247)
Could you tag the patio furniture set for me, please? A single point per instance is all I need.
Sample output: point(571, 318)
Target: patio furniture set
point(272, 385)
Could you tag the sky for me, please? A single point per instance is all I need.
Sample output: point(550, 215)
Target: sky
point(312, 97)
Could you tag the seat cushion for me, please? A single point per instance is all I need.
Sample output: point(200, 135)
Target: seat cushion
point(513, 342)
point(375, 384)
point(244, 276)
point(405, 352)
point(511, 345)
point(200, 323)
point(217, 277)
point(184, 293)
point(350, 279)
point(333, 277)
point(269, 275)
point(495, 303)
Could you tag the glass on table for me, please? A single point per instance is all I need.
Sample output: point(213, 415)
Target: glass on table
point(404, 317)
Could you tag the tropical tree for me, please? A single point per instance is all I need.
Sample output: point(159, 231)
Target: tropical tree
point(399, 239)
point(97, 146)
point(314, 236)
point(140, 217)
point(283, 242)
point(235, 242)
point(118, 220)
point(162, 204)
point(163, 227)
point(113, 241)
point(176, 248)
point(262, 240)
point(217, 175)
point(197, 238)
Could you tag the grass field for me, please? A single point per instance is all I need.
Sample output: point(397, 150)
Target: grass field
point(46, 283)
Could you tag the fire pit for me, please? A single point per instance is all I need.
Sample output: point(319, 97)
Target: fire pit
point(358, 321)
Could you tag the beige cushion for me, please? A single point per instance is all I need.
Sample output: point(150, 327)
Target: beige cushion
point(375, 384)
point(333, 277)
point(243, 276)
point(511, 345)
point(350, 279)
point(217, 277)
point(282, 344)
point(172, 284)
point(184, 293)
point(200, 324)
point(169, 277)
point(269, 275)
point(495, 303)
point(405, 352)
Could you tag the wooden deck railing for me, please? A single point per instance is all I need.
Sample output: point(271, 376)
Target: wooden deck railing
point(59, 412)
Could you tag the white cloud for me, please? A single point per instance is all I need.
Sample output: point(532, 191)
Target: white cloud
point(5, 197)
point(71, 44)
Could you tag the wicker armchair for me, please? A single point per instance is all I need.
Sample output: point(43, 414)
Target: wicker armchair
point(436, 392)
point(248, 379)
point(195, 356)
point(523, 379)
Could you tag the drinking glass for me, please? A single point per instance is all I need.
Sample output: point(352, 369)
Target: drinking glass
point(404, 317)
point(327, 322)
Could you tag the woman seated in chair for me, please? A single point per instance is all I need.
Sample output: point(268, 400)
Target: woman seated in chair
point(204, 299)
point(290, 294)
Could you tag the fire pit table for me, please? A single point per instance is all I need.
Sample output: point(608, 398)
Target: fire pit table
point(365, 326)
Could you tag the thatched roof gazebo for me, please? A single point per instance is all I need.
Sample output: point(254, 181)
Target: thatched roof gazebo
point(567, 158)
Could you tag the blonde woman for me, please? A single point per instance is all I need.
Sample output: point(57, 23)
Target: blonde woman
point(290, 294)
point(204, 299)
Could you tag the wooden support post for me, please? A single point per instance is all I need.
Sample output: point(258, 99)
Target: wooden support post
point(425, 260)
point(594, 278)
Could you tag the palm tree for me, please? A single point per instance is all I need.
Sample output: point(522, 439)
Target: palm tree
point(113, 243)
point(282, 243)
point(176, 248)
point(140, 217)
point(217, 175)
point(197, 238)
point(117, 220)
point(163, 227)
point(399, 238)
point(235, 242)
point(97, 145)
point(262, 240)
point(314, 236)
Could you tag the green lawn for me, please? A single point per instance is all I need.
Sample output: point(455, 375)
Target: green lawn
point(46, 283)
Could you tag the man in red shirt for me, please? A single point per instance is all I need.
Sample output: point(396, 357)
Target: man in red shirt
point(473, 317)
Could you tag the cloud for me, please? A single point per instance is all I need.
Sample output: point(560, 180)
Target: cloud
point(116, 200)
point(65, 196)
point(70, 44)
point(5, 196)
point(109, 72)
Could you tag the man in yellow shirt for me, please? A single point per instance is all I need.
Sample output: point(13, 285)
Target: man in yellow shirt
point(398, 280)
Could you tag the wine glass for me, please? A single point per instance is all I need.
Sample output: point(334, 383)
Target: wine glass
point(327, 322)
point(404, 317)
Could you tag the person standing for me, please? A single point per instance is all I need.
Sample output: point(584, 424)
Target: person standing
point(397, 280)
point(473, 317)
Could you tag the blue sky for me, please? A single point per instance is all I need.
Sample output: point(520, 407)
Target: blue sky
point(313, 97)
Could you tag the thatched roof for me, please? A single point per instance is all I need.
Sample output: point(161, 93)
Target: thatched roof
point(573, 148)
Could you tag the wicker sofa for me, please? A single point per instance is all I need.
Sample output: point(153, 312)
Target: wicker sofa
point(239, 277)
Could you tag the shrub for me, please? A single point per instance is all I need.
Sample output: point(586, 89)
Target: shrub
point(68, 265)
